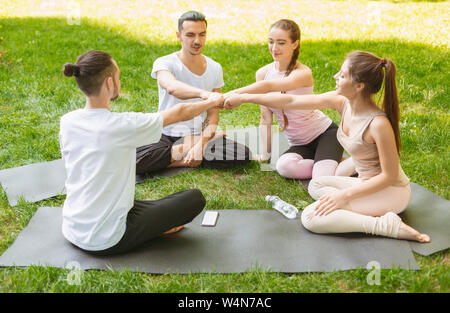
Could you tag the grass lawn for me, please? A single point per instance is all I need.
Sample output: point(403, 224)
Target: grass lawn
point(36, 40)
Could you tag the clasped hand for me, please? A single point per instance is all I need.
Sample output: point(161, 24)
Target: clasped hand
point(232, 100)
point(229, 100)
point(217, 98)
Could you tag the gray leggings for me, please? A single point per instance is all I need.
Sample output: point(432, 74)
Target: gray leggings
point(150, 219)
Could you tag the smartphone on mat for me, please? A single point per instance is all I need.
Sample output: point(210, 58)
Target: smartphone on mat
point(210, 218)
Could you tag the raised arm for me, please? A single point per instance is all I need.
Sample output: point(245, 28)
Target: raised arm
point(211, 121)
point(288, 102)
point(301, 77)
point(185, 111)
point(179, 89)
point(265, 123)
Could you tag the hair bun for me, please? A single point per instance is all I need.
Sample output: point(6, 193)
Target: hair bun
point(71, 70)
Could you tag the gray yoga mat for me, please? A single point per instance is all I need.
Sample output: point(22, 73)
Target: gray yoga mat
point(240, 241)
point(429, 214)
point(34, 182)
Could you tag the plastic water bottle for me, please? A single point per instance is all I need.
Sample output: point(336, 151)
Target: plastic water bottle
point(283, 207)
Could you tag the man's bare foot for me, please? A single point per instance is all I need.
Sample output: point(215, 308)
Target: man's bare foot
point(409, 233)
point(179, 150)
point(173, 230)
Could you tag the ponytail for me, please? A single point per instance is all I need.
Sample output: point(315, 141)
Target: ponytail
point(367, 68)
point(294, 59)
point(390, 102)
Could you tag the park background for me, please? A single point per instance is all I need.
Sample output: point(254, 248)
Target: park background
point(38, 37)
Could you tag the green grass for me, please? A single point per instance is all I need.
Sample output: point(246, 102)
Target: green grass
point(34, 94)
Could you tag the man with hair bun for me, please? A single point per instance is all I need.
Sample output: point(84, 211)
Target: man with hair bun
point(100, 215)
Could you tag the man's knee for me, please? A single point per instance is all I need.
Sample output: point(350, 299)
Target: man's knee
point(196, 200)
point(153, 158)
point(187, 204)
point(248, 154)
point(226, 153)
point(242, 153)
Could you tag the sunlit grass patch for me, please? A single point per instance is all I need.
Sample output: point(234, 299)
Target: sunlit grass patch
point(248, 21)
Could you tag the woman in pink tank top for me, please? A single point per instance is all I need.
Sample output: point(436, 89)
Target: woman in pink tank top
point(314, 150)
point(369, 203)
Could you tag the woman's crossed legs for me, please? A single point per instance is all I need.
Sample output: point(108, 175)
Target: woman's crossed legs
point(373, 214)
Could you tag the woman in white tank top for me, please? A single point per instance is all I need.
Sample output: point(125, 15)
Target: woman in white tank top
point(314, 150)
point(371, 202)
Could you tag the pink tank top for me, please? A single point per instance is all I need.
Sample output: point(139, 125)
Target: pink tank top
point(365, 155)
point(304, 125)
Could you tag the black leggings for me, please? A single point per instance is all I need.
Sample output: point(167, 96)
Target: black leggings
point(150, 219)
point(220, 152)
point(324, 147)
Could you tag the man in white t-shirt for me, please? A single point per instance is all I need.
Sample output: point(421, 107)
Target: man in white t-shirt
point(98, 147)
point(188, 76)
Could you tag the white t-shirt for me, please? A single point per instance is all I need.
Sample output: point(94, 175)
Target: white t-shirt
point(211, 79)
point(99, 152)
